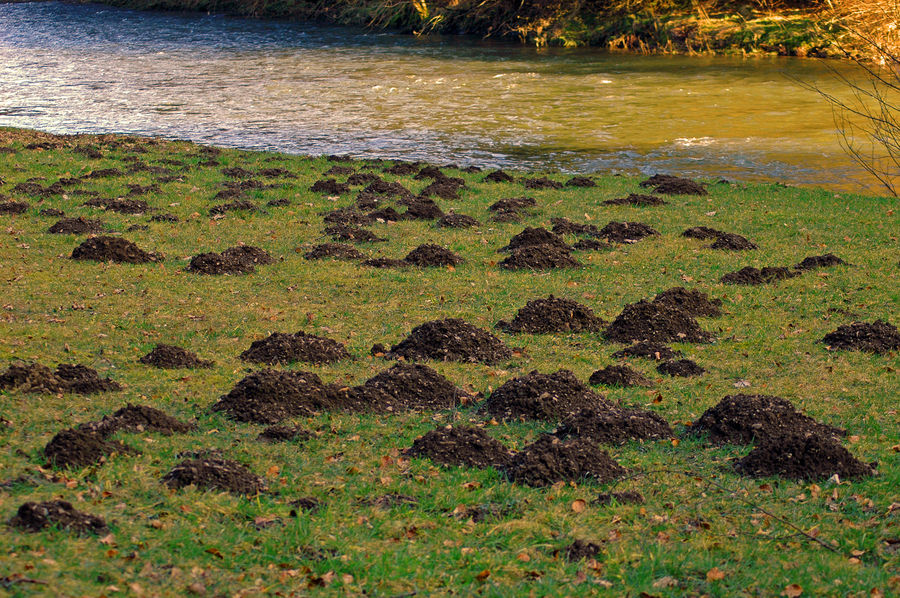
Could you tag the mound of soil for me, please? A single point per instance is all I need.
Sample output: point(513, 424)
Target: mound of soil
point(115, 249)
point(338, 251)
point(542, 397)
point(539, 257)
point(618, 375)
point(330, 186)
point(457, 221)
point(581, 549)
point(33, 378)
point(233, 207)
point(802, 457)
point(591, 245)
point(13, 207)
point(684, 368)
point(819, 261)
point(656, 322)
point(430, 172)
point(460, 446)
point(542, 183)
point(127, 206)
point(498, 176)
point(270, 396)
point(442, 188)
point(216, 263)
point(284, 434)
point(52, 212)
point(564, 226)
point(277, 203)
point(353, 234)
point(380, 187)
point(550, 460)
point(362, 178)
point(171, 357)
point(34, 517)
point(673, 185)
point(553, 314)
point(387, 214)
point(84, 380)
point(704, 233)
point(877, 337)
point(422, 208)
point(695, 303)
point(405, 387)
point(580, 181)
point(164, 218)
point(236, 172)
point(615, 426)
point(340, 171)
point(214, 474)
point(626, 232)
point(754, 276)
point(385, 263)
point(452, 339)
point(648, 350)
point(514, 205)
point(741, 419)
point(299, 346)
point(636, 199)
point(429, 254)
point(403, 168)
point(733, 242)
point(138, 418)
point(79, 448)
point(248, 254)
point(348, 216)
point(536, 236)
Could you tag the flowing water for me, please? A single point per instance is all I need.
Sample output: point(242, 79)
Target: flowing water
point(310, 89)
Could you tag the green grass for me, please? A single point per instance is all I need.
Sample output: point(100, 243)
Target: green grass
point(56, 310)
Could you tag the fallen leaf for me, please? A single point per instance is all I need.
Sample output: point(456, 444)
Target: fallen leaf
point(483, 575)
point(715, 574)
point(523, 556)
point(792, 591)
point(665, 582)
point(215, 552)
point(579, 505)
point(273, 471)
point(108, 540)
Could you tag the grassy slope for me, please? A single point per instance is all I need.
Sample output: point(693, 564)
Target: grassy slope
point(106, 316)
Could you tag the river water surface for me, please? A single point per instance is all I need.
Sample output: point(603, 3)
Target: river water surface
point(310, 89)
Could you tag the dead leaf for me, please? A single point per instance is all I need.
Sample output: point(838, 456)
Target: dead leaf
point(665, 582)
point(792, 591)
point(215, 552)
point(523, 556)
point(483, 575)
point(197, 588)
point(579, 505)
point(273, 471)
point(108, 540)
point(715, 574)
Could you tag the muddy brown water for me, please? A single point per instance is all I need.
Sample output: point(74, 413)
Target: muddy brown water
point(309, 89)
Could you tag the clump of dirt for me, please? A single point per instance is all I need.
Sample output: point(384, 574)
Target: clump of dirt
point(380, 187)
point(636, 199)
point(673, 185)
point(553, 314)
point(460, 446)
point(564, 226)
point(703, 233)
point(270, 396)
point(695, 303)
point(403, 168)
point(741, 419)
point(84, 380)
point(498, 176)
point(580, 181)
point(13, 207)
point(457, 221)
point(386, 214)
point(511, 208)
point(542, 183)
point(349, 216)
point(330, 186)
point(615, 426)
point(422, 208)
point(550, 460)
point(233, 206)
point(430, 172)
point(241, 259)
point(362, 178)
point(339, 171)
point(299, 346)
point(52, 212)
point(684, 368)
point(581, 549)
point(405, 387)
point(445, 188)
point(338, 251)
point(591, 245)
point(536, 236)
point(385, 263)
point(236, 172)
point(284, 434)
point(138, 418)
point(733, 242)
point(648, 350)
point(819, 261)
point(214, 474)
point(656, 322)
point(626, 232)
point(33, 378)
point(452, 339)
point(127, 206)
point(272, 173)
point(353, 234)
point(80, 448)
point(277, 203)
point(628, 497)
point(429, 254)
point(135, 190)
point(34, 517)
point(172, 357)
point(802, 457)
point(754, 276)
point(619, 375)
point(115, 249)
point(877, 337)
point(542, 397)
point(164, 218)
point(539, 257)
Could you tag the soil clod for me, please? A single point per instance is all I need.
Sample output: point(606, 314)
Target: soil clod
point(542, 397)
point(703, 233)
point(34, 517)
point(403, 387)
point(536, 236)
point(457, 221)
point(656, 322)
point(648, 350)
point(172, 357)
point(214, 474)
point(115, 249)
point(819, 261)
point(452, 339)
point(553, 314)
point(581, 549)
point(695, 303)
point(684, 368)
point(619, 375)
point(138, 418)
point(299, 346)
point(733, 242)
point(636, 199)
point(756, 276)
point(626, 232)
point(802, 457)
point(550, 460)
point(498, 176)
point(460, 446)
point(271, 396)
point(352, 234)
point(673, 185)
point(877, 337)
point(615, 426)
point(539, 257)
point(429, 254)
point(580, 181)
point(78, 448)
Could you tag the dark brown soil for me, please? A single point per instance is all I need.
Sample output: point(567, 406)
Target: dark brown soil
point(164, 218)
point(506, 216)
point(214, 474)
point(114, 249)
point(636, 199)
point(278, 203)
point(619, 375)
point(422, 208)
point(13, 207)
point(380, 187)
point(362, 178)
point(270, 396)
point(615, 426)
point(340, 171)
point(684, 368)
point(673, 185)
point(138, 418)
point(404, 387)
point(754, 276)
point(580, 181)
point(498, 176)
point(32, 378)
point(430, 172)
point(386, 214)
point(802, 457)
point(31, 188)
point(429, 254)
point(403, 168)
point(171, 357)
point(626, 232)
point(512, 204)
point(704, 233)
point(452, 339)
point(299, 346)
point(536, 236)
point(284, 434)
point(330, 186)
point(79, 448)
point(553, 314)
point(695, 303)
point(628, 497)
point(460, 446)
point(542, 397)
point(338, 251)
point(581, 549)
point(733, 242)
point(442, 188)
point(539, 257)
point(84, 380)
point(819, 261)
point(215, 263)
point(656, 322)
point(648, 350)
point(52, 212)
point(877, 337)
point(550, 460)
point(741, 419)
point(541, 183)
point(236, 172)
point(353, 234)
point(385, 263)
point(349, 216)
point(591, 245)
point(234, 206)
point(457, 221)
point(135, 190)
point(34, 517)
point(564, 226)
point(127, 206)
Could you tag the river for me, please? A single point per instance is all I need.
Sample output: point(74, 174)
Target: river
point(311, 89)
